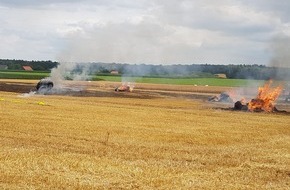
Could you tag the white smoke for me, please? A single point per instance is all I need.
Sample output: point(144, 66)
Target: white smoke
point(27, 95)
point(72, 71)
point(280, 47)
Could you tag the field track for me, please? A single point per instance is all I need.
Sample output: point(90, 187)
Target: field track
point(157, 137)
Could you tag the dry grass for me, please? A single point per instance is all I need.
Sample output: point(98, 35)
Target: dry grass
point(62, 142)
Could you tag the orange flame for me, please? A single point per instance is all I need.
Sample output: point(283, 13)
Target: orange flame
point(125, 88)
point(266, 98)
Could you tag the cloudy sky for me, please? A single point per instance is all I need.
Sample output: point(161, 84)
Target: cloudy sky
point(145, 31)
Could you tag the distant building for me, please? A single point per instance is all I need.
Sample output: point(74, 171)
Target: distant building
point(3, 67)
point(114, 72)
point(27, 68)
point(220, 75)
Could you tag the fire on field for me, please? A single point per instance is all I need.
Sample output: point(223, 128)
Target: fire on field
point(264, 101)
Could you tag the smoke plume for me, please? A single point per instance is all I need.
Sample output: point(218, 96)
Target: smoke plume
point(280, 47)
point(72, 71)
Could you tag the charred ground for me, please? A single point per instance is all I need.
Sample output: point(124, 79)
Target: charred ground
point(107, 89)
point(141, 90)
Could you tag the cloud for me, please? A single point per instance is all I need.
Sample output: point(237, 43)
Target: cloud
point(279, 9)
point(33, 3)
point(161, 32)
point(225, 17)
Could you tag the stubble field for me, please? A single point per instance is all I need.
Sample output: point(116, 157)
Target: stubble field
point(153, 138)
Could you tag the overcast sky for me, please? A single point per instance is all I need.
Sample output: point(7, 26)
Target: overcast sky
point(144, 31)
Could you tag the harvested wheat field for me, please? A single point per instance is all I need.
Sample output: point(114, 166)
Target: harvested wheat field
point(100, 139)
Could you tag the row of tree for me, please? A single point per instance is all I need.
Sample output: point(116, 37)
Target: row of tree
point(241, 71)
point(13, 64)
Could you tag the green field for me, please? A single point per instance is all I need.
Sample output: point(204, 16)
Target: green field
point(155, 80)
point(23, 74)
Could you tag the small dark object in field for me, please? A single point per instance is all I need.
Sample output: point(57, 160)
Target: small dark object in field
point(239, 106)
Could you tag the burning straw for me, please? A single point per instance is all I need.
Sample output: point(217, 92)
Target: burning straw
point(265, 100)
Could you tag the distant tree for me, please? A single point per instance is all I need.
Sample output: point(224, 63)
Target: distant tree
point(36, 65)
point(15, 66)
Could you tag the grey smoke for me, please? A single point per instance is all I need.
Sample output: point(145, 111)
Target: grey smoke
point(72, 71)
point(280, 47)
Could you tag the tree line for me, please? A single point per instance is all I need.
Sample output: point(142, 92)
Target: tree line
point(12, 64)
point(241, 71)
